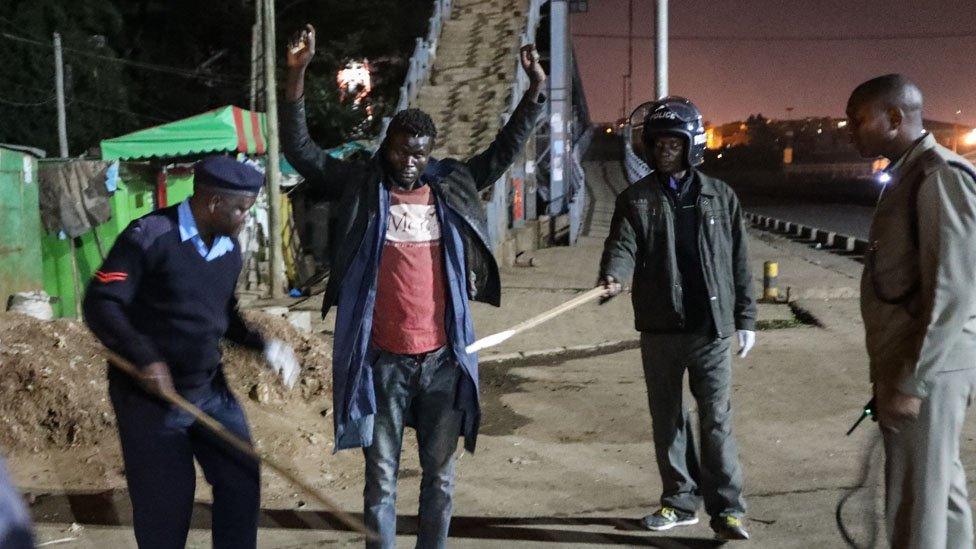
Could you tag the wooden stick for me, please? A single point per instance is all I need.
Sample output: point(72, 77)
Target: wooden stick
point(495, 339)
point(230, 438)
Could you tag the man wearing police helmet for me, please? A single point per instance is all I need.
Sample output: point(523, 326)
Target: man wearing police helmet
point(679, 234)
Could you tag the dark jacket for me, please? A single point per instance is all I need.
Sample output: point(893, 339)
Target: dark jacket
point(641, 243)
point(356, 188)
point(918, 300)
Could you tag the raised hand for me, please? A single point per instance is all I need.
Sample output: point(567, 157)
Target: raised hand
point(301, 48)
point(531, 65)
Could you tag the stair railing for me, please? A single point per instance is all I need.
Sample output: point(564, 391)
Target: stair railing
point(422, 61)
point(497, 207)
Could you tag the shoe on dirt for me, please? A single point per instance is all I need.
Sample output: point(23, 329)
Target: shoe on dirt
point(667, 518)
point(729, 527)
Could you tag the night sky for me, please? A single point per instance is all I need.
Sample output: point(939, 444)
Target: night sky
point(730, 78)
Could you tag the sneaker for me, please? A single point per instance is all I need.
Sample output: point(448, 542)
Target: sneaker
point(667, 518)
point(729, 527)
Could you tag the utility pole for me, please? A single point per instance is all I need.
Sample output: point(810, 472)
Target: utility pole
point(623, 103)
point(257, 35)
point(59, 87)
point(275, 262)
point(628, 90)
point(661, 50)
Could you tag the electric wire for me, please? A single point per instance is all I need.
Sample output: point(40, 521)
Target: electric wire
point(175, 71)
point(72, 100)
point(13, 103)
point(866, 481)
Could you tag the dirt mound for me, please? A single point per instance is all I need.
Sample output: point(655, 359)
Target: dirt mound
point(53, 391)
point(249, 377)
point(52, 384)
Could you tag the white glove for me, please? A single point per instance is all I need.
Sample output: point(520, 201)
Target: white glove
point(747, 338)
point(281, 359)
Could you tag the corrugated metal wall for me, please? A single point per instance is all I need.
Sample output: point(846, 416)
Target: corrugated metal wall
point(20, 225)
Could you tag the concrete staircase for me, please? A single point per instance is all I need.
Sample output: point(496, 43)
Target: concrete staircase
point(472, 74)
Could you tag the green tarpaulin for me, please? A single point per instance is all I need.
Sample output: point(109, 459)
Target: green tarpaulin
point(225, 129)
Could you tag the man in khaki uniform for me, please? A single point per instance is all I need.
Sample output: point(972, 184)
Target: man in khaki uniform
point(918, 301)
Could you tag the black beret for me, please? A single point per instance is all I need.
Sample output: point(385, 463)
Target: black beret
point(227, 174)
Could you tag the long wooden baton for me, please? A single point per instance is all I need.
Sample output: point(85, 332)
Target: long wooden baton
point(218, 429)
point(495, 339)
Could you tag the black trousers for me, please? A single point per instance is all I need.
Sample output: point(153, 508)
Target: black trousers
point(159, 444)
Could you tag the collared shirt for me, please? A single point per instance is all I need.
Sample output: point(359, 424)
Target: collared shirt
point(894, 168)
point(188, 231)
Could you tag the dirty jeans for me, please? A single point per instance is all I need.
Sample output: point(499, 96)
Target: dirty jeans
point(686, 480)
point(420, 392)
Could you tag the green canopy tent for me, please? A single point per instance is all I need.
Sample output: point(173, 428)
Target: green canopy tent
point(227, 129)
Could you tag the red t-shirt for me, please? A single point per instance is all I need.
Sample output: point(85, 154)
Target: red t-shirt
point(411, 290)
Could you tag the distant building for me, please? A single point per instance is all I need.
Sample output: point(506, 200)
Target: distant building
point(732, 134)
point(953, 136)
point(822, 139)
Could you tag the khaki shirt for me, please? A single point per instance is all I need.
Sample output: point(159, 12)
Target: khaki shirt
point(933, 329)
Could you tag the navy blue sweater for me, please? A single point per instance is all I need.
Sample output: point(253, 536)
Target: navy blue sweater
point(157, 299)
point(684, 203)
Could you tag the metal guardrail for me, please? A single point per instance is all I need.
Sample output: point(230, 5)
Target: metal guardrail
point(827, 239)
point(836, 170)
point(497, 206)
point(637, 169)
point(422, 61)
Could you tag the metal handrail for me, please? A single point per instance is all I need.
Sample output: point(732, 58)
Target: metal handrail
point(422, 61)
point(496, 207)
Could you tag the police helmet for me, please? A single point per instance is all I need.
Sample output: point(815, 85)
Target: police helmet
point(671, 115)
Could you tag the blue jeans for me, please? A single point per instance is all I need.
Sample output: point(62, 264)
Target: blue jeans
point(159, 443)
point(418, 392)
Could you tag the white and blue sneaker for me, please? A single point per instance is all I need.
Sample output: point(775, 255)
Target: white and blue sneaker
point(667, 518)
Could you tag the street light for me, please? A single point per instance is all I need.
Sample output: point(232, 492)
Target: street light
point(970, 138)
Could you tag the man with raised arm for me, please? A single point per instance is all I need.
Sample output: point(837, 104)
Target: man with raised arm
point(412, 250)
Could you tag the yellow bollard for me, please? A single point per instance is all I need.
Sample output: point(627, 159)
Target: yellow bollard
point(770, 273)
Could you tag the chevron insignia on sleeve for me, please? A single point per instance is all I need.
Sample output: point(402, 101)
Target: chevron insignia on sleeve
point(106, 277)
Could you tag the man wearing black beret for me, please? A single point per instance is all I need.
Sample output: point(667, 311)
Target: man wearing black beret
point(163, 300)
